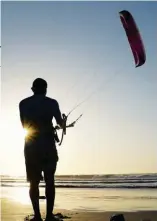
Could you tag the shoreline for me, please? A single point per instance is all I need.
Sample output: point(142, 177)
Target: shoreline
point(87, 199)
point(86, 187)
point(15, 211)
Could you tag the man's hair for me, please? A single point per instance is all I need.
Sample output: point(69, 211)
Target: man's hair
point(39, 85)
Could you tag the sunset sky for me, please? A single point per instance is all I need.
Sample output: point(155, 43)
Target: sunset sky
point(78, 48)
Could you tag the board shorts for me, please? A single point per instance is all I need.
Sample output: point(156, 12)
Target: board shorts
point(40, 156)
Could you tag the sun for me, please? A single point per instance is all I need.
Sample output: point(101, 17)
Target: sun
point(29, 133)
point(25, 132)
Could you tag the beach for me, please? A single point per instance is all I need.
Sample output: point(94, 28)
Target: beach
point(83, 204)
point(86, 198)
point(15, 211)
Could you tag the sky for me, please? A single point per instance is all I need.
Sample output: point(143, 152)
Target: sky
point(80, 48)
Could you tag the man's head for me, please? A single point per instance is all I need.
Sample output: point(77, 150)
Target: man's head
point(39, 86)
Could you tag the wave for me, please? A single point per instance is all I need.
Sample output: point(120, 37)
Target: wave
point(150, 176)
point(92, 185)
point(92, 181)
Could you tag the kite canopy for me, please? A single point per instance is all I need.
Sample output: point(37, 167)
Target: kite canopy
point(134, 37)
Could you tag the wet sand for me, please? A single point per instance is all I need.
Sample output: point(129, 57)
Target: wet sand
point(11, 210)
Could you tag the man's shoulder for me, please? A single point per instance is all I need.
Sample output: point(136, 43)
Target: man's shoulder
point(51, 101)
point(25, 100)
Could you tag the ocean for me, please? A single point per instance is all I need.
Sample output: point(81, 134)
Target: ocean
point(92, 192)
point(92, 181)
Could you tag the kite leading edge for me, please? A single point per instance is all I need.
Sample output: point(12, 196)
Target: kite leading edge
point(134, 37)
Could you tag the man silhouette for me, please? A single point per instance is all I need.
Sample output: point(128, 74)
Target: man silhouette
point(36, 114)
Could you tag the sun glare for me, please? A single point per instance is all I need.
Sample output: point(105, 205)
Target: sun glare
point(29, 132)
point(25, 132)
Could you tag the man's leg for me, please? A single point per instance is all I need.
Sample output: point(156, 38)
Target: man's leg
point(50, 190)
point(34, 196)
point(33, 172)
point(50, 196)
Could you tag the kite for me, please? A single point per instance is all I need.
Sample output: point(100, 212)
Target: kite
point(134, 37)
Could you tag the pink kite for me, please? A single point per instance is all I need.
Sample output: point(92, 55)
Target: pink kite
point(134, 37)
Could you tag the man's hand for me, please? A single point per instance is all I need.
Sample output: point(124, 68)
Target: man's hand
point(57, 127)
point(64, 123)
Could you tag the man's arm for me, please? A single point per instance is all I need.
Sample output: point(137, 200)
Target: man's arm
point(58, 116)
point(21, 116)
